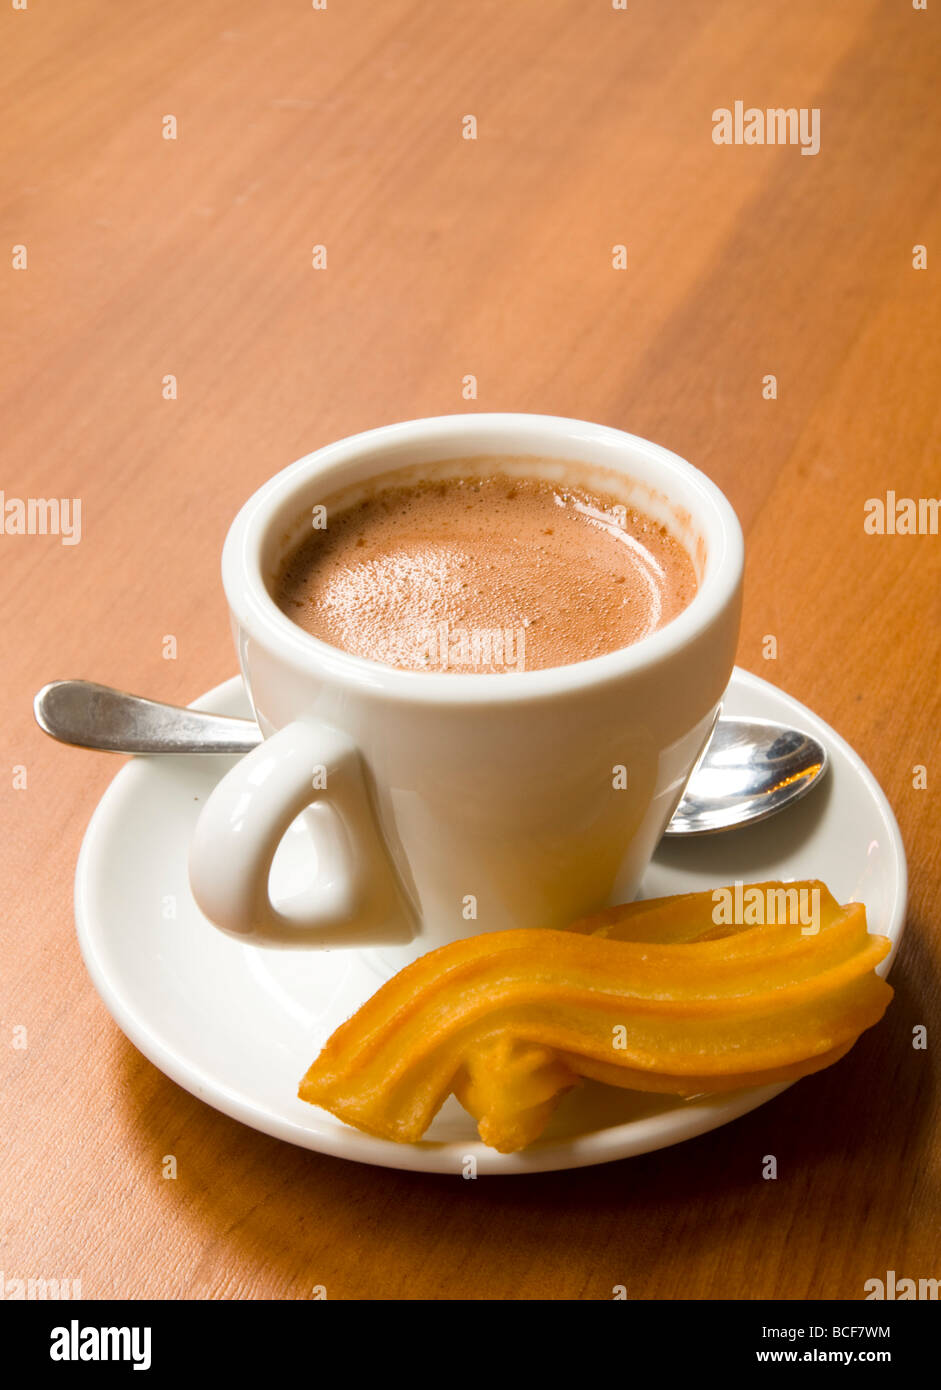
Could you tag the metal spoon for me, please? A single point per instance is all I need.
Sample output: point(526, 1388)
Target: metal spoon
point(750, 769)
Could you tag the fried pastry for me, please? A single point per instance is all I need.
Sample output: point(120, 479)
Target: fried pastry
point(651, 996)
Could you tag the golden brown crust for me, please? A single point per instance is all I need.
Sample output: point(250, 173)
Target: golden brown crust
point(653, 996)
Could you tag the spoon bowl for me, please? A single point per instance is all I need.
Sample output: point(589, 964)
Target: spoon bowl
point(749, 770)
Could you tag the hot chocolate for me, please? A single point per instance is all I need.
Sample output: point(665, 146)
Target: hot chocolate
point(485, 574)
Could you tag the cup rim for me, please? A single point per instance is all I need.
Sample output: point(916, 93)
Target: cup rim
point(262, 620)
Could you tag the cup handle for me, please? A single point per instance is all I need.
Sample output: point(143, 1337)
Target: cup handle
point(358, 900)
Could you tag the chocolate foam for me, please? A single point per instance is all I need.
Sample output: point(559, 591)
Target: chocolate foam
point(485, 574)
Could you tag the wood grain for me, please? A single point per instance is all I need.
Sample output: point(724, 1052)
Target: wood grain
point(192, 257)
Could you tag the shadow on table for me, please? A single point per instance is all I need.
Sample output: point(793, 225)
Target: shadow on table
point(851, 1146)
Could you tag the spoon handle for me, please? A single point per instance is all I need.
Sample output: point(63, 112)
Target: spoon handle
point(97, 716)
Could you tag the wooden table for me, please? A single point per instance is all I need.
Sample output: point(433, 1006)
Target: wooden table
point(150, 258)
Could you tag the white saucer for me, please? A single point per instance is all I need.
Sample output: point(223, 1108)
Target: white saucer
point(238, 1025)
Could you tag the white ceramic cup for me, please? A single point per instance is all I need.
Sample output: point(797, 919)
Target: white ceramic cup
point(443, 804)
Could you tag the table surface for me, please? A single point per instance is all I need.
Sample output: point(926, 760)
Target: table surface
point(150, 257)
